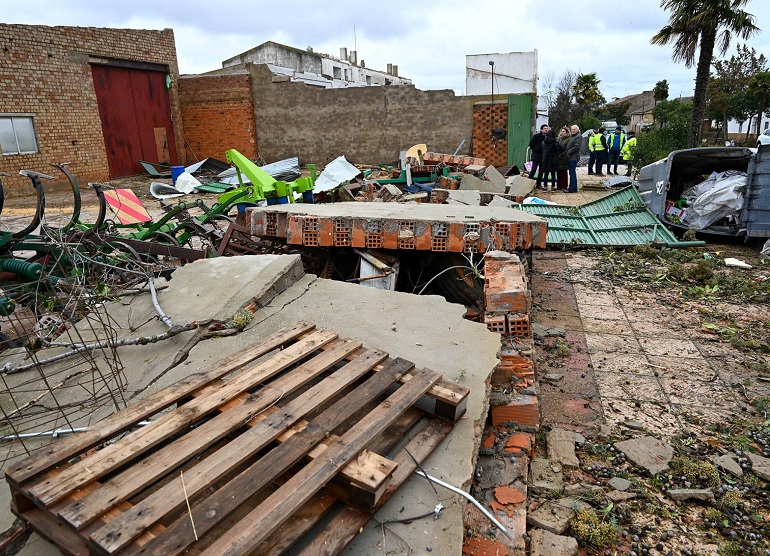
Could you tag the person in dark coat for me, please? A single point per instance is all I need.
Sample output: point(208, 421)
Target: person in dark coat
point(536, 146)
point(561, 170)
point(549, 162)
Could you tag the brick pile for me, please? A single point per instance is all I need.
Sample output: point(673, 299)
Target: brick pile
point(486, 117)
point(218, 115)
point(46, 73)
point(508, 444)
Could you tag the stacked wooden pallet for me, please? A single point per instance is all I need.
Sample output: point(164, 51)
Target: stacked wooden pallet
point(245, 457)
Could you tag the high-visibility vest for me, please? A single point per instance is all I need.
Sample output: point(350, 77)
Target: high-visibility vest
point(595, 143)
point(626, 150)
point(611, 140)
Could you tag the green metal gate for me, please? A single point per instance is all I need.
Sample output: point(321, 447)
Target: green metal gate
point(519, 128)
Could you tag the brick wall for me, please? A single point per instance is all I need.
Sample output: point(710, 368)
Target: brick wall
point(218, 114)
point(366, 124)
point(45, 71)
point(486, 117)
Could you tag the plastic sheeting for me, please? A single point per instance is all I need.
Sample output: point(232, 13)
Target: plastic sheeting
point(336, 172)
point(719, 196)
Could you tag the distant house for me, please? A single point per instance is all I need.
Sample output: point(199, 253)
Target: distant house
point(316, 69)
point(640, 111)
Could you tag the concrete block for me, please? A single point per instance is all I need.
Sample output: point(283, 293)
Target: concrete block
point(647, 452)
point(561, 447)
point(760, 466)
point(545, 476)
point(728, 463)
point(680, 494)
point(545, 543)
point(555, 515)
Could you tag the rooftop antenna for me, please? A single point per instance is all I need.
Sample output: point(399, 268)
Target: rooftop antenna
point(355, 43)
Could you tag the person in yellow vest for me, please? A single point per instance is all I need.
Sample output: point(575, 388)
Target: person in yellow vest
point(597, 147)
point(615, 143)
point(626, 151)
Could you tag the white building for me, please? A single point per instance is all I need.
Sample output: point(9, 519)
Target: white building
point(319, 70)
point(501, 74)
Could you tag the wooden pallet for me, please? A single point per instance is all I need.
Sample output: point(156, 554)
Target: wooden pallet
point(244, 457)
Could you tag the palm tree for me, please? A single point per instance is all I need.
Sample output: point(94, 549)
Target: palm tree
point(660, 92)
point(698, 25)
point(586, 91)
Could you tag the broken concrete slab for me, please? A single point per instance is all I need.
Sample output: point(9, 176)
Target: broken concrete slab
point(459, 197)
point(472, 183)
point(681, 494)
point(545, 476)
point(498, 201)
point(545, 543)
point(647, 452)
point(392, 321)
point(520, 186)
point(495, 471)
point(727, 462)
point(561, 447)
point(496, 178)
point(619, 495)
point(619, 483)
point(760, 466)
point(555, 515)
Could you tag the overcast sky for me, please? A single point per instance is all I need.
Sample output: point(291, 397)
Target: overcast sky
point(427, 41)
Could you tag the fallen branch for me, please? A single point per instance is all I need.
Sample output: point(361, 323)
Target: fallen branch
point(81, 348)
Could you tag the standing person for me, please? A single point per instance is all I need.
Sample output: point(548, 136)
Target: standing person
point(573, 157)
point(536, 145)
point(561, 171)
point(549, 161)
point(626, 151)
point(598, 142)
point(615, 143)
point(591, 151)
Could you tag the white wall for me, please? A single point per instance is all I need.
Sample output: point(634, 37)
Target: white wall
point(734, 126)
point(514, 73)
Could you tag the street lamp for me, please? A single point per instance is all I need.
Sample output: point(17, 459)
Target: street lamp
point(492, 63)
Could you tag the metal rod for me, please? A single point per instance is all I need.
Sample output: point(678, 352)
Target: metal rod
point(470, 499)
point(57, 432)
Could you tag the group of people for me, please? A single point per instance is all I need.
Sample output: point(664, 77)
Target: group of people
point(554, 159)
point(609, 148)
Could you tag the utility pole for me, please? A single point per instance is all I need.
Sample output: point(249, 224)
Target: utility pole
point(492, 63)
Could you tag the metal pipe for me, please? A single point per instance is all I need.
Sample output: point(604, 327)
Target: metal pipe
point(470, 499)
point(57, 432)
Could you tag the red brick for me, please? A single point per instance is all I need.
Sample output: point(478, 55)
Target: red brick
point(519, 441)
point(508, 495)
point(489, 441)
point(522, 410)
point(479, 546)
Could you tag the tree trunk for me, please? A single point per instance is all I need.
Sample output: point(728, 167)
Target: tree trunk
point(748, 128)
point(759, 114)
point(708, 39)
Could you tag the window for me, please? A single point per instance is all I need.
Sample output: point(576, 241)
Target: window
point(17, 135)
point(368, 79)
point(337, 73)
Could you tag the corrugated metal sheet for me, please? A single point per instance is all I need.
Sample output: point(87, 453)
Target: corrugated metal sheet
point(620, 219)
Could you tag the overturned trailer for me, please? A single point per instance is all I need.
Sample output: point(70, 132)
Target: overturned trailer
point(665, 185)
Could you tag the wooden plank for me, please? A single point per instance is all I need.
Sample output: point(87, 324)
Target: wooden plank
point(140, 441)
point(66, 540)
point(147, 471)
point(246, 536)
point(217, 507)
point(319, 506)
point(344, 527)
point(170, 498)
point(53, 454)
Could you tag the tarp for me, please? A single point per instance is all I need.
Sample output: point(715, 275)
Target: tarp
point(336, 172)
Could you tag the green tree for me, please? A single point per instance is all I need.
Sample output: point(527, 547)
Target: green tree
point(586, 92)
point(700, 26)
point(759, 86)
point(618, 112)
point(670, 133)
point(728, 89)
point(660, 92)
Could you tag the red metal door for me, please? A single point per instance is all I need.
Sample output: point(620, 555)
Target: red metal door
point(136, 118)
